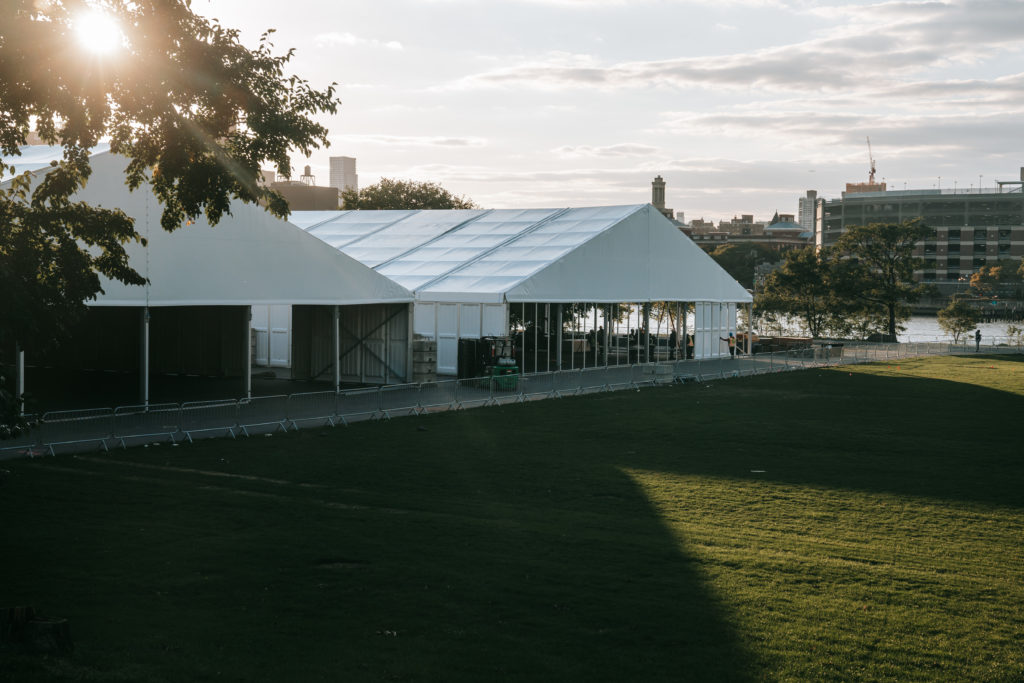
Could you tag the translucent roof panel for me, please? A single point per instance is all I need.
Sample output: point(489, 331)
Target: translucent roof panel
point(347, 226)
point(310, 219)
point(404, 235)
point(457, 247)
point(37, 157)
point(523, 256)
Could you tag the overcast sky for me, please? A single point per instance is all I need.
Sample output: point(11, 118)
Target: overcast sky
point(741, 105)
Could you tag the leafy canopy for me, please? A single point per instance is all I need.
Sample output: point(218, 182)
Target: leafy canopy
point(881, 266)
point(809, 286)
point(195, 112)
point(958, 318)
point(404, 194)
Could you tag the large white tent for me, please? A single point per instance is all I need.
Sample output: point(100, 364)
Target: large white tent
point(212, 274)
point(469, 269)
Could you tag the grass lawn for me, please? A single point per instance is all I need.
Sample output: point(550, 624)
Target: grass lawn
point(862, 523)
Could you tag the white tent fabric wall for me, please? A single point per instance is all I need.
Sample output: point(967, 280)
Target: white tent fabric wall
point(250, 258)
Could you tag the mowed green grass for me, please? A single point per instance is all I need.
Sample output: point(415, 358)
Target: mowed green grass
point(862, 523)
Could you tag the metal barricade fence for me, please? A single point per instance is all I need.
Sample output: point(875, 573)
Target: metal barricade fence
point(312, 406)
point(267, 412)
point(619, 377)
point(567, 383)
point(70, 427)
point(473, 392)
point(80, 428)
point(399, 399)
point(593, 380)
point(438, 396)
point(26, 443)
point(148, 422)
point(359, 404)
point(541, 385)
point(506, 388)
point(199, 417)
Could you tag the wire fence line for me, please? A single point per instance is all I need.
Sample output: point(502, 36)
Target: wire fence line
point(124, 426)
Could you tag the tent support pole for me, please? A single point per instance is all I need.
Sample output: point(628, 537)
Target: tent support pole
point(536, 333)
point(248, 351)
point(647, 331)
point(144, 358)
point(19, 381)
point(558, 351)
point(750, 328)
point(547, 337)
point(336, 333)
point(682, 337)
point(409, 336)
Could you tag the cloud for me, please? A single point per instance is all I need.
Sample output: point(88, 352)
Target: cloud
point(872, 44)
point(619, 150)
point(349, 39)
point(411, 140)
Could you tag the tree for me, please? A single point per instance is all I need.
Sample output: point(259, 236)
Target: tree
point(986, 281)
point(404, 194)
point(807, 286)
point(196, 114)
point(958, 318)
point(881, 264)
point(740, 260)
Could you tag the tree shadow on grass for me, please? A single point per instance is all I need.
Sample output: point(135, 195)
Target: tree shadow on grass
point(464, 552)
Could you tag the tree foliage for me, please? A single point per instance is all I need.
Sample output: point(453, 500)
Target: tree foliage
point(195, 113)
point(404, 194)
point(740, 260)
point(987, 279)
point(809, 286)
point(958, 318)
point(880, 267)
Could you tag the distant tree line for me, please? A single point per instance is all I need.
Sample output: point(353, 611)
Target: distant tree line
point(861, 286)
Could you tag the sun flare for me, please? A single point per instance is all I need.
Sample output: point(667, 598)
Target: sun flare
point(98, 33)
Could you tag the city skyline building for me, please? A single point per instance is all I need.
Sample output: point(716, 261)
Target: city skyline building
point(973, 228)
point(343, 174)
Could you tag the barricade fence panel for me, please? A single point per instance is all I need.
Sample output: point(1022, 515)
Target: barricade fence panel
point(541, 385)
point(473, 393)
point(567, 382)
point(359, 404)
point(506, 388)
point(69, 427)
point(95, 428)
point(435, 396)
point(593, 379)
point(156, 420)
point(399, 399)
point(320, 407)
point(263, 414)
point(25, 443)
point(199, 417)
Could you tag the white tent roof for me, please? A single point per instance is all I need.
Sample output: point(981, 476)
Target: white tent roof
point(600, 254)
point(250, 257)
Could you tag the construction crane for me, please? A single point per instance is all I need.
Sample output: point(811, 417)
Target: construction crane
point(871, 175)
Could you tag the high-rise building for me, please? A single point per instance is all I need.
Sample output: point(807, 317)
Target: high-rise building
point(973, 228)
point(343, 174)
point(809, 214)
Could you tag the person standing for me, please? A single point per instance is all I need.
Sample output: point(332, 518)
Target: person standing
point(732, 344)
point(673, 341)
point(977, 340)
